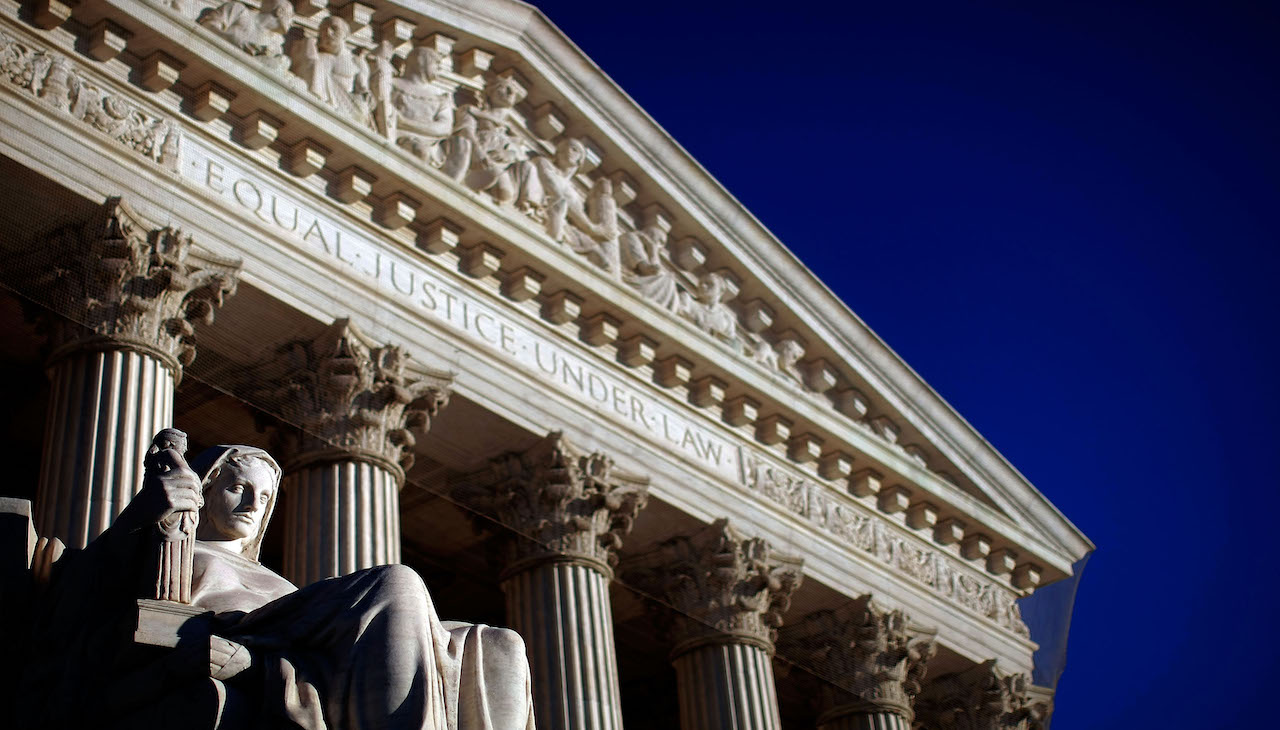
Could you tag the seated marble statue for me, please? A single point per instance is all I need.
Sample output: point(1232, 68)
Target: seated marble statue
point(361, 651)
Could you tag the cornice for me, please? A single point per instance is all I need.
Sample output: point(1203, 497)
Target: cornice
point(694, 193)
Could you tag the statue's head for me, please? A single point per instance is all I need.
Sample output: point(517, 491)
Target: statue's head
point(332, 35)
point(239, 485)
point(281, 13)
point(422, 63)
point(712, 288)
point(570, 154)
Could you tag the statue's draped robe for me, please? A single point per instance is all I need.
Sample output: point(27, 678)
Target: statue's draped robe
point(358, 652)
point(363, 651)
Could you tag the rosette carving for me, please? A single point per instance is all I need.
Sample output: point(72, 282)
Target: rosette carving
point(870, 658)
point(564, 502)
point(346, 397)
point(726, 587)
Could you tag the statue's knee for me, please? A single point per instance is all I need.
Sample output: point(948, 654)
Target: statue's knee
point(401, 579)
point(506, 643)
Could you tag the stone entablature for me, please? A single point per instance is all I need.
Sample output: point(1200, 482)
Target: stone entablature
point(393, 203)
point(642, 355)
point(769, 419)
point(661, 412)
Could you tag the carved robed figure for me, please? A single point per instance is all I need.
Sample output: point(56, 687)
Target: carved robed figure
point(365, 650)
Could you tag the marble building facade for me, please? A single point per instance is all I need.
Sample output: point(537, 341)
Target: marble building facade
point(497, 326)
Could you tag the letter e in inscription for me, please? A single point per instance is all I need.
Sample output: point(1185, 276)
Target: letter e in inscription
point(619, 402)
point(507, 335)
point(213, 177)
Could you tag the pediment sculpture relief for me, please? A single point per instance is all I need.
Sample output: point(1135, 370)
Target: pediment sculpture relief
point(476, 131)
point(363, 650)
point(259, 32)
point(421, 116)
point(332, 72)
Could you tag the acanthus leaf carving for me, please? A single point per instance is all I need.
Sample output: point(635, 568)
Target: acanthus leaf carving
point(982, 697)
point(344, 396)
point(116, 281)
point(725, 586)
point(57, 81)
point(869, 658)
point(562, 503)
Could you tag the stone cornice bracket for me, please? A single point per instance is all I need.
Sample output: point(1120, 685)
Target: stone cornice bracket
point(728, 588)
point(980, 698)
point(120, 284)
point(346, 397)
point(572, 506)
point(869, 658)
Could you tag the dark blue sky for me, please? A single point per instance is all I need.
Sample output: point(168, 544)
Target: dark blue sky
point(1063, 216)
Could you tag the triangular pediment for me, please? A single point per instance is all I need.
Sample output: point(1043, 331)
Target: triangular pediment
point(476, 128)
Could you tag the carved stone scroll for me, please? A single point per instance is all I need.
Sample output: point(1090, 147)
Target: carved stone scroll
point(725, 586)
point(350, 398)
point(569, 504)
point(980, 698)
point(870, 660)
point(59, 82)
point(120, 284)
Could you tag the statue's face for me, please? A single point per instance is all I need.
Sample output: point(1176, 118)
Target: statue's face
point(570, 153)
point(332, 34)
point(237, 498)
point(710, 289)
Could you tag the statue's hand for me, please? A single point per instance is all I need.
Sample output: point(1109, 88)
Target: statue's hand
point(169, 489)
point(227, 658)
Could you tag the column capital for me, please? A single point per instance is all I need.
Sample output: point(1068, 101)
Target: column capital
point(981, 698)
point(869, 658)
point(573, 506)
point(345, 397)
point(118, 283)
point(728, 588)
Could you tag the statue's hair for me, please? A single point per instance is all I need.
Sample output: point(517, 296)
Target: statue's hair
point(243, 460)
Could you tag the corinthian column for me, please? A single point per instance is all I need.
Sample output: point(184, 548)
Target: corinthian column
point(351, 407)
point(566, 512)
point(869, 661)
point(118, 301)
point(730, 592)
point(981, 698)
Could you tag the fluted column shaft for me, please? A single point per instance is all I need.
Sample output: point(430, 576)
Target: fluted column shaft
point(118, 301)
point(340, 517)
point(562, 610)
point(565, 512)
point(104, 407)
point(728, 593)
point(727, 687)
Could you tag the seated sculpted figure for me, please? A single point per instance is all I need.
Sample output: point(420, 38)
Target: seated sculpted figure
point(258, 32)
point(707, 308)
point(489, 140)
point(423, 114)
point(548, 191)
point(360, 651)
